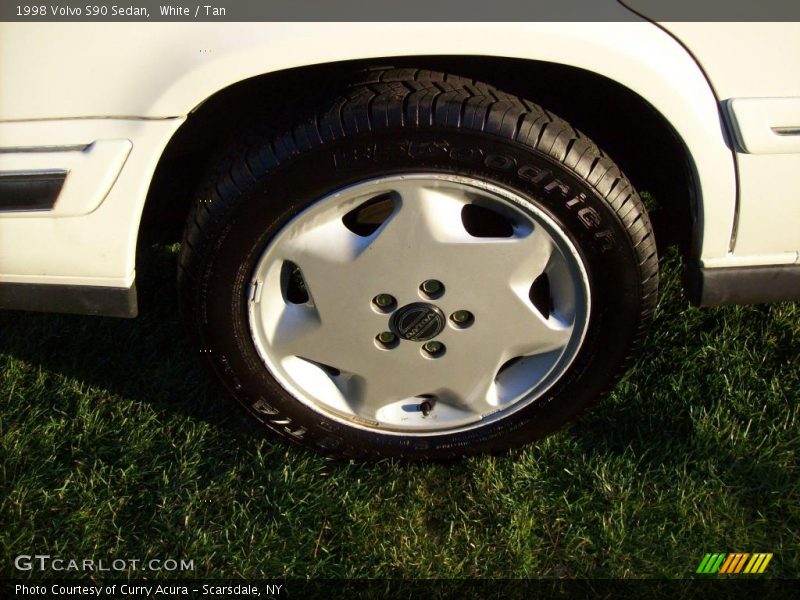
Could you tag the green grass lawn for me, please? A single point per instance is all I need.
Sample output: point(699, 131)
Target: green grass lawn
point(116, 443)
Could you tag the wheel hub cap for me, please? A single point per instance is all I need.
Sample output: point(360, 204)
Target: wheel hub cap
point(418, 322)
point(419, 304)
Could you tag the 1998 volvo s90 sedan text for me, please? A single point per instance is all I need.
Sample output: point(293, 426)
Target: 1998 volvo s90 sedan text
point(420, 240)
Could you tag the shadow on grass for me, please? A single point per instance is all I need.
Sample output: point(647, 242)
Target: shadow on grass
point(147, 360)
point(694, 446)
point(711, 391)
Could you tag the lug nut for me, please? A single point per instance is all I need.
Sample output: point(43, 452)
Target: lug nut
point(384, 301)
point(433, 349)
point(386, 340)
point(462, 318)
point(432, 288)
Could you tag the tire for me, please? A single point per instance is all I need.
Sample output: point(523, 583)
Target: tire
point(264, 316)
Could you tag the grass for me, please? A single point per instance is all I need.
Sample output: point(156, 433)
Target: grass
point(117, 444)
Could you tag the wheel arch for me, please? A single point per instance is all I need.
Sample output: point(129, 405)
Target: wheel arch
point(630, 129)
point(653, 112)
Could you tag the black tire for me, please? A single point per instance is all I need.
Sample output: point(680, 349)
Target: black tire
point(397, 120)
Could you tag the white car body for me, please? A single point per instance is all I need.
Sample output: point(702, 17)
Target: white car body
point(103, 100)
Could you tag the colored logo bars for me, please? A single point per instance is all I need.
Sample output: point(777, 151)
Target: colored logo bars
point(738, 562)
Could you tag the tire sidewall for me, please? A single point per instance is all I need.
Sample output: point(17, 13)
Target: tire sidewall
point(242, 235)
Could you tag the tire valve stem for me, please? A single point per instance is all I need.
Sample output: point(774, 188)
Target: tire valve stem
point(426, 407)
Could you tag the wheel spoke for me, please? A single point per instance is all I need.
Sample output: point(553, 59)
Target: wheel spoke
point(533, 253)
point(299, 330)
point(327, 257)
point(423, 218)
point(526, 331)
point(471, 395)
point(452, 380)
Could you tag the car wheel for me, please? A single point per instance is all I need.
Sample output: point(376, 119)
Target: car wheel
point(424, 267)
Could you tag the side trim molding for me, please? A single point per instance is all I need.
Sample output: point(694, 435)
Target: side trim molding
point(743, 285)
point(765, 125)
point(75, 299)
point(30, 190)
